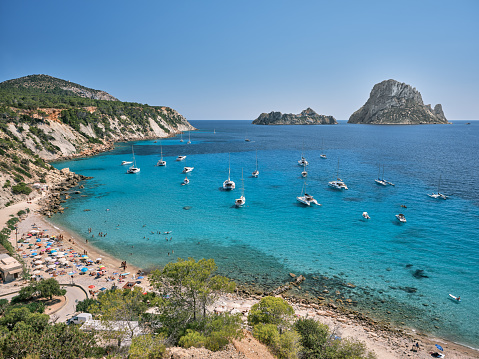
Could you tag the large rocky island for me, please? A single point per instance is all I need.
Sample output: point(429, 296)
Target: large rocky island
point(306, 117)
point(395, 103)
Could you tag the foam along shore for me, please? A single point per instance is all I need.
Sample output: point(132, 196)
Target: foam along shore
point(386, 344)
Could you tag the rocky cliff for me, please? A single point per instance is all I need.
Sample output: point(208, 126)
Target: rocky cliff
point(395, 103)
point(43, 119)
point(306, 117)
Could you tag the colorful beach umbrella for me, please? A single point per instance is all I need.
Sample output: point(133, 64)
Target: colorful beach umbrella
point(439, 347)
point(38, 240)
point(140, 277)
point(91, 286)
point(84, 269)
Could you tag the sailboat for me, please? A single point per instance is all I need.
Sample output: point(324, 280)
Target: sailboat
point(305, 198)
point(229, 184)
point(185, 181)
point(323, 156)
point(181, 136)
point(239, 202)
point(133, 168)
point(160, 161)
point(189, 138)
point(256, 172)
point(438, 194)
point(214, 130)
point(338, 183)
point(302, 161)
point(379, 180)
point(304, 173)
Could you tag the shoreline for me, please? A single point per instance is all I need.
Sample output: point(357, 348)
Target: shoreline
point(390, 342)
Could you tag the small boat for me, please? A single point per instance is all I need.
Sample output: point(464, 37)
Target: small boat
point(160, 161)
point(188, 169)
point(239, 202)
point(133, 168)
point(181, 137)
point(126, 163)
point(214, 130)
point(189, 138)
point(401, 218)
point(184, 183)
point(323, 156)
point(256, 172)
point(180, 158)
point(438, 194)
point(457, 299)
point(229, 184)
point(304, 173)
point(338, 183)
point(366, 215)
point(302, 161)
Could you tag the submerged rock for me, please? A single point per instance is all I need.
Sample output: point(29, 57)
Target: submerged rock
point(419, 273)
point(186, 208)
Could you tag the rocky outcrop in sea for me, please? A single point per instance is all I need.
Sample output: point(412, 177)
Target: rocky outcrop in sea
point(395, 103)
point(306, 117)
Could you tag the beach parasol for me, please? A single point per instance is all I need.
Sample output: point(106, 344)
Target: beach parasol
point(33, 254)
point(102, 288)
point(60, 255)
point(38, 262)
point(36, 272)
point(49, 259)
point(91, 286)
point(439, 347)
point(51, 266)
point(39, 266)
point(140, 277)
point(38, 240)
point(71, 273)
point(84, 269)
point(54, 253)
point(39, 244)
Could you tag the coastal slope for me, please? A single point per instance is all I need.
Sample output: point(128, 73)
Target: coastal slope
point(394, 103)
point(306, 117)
point(43, 118)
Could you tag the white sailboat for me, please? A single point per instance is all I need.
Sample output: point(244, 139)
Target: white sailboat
point(229, 184)
point(189, 138)
point(256, 172)
point(239, 202)
point(438, 195)
point(338, 183)
point(305, 198)
point(181, 136)
point(380, 181)
point(160, 161)
point(302, 161)
point(323, 156)
point(304, 173)
point(185, 181)
point(133, 169)
point(214, 130)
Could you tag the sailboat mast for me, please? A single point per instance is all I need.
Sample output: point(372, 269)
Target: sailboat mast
point(242, 183)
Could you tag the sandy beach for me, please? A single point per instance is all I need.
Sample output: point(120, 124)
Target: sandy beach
point(386, 344)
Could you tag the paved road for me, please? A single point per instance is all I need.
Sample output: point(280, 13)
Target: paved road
point(73, 295)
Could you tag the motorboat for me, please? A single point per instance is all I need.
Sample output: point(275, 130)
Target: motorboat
point(126, 163)
point(401, 218)
point(188, 169)
point(438, 195)
point(338, 183)
point(323, 156)
point(229, 184)
point(133, 168)
point(366, 215)
point(256, 172)
point(239, 202)
point(160, 161)
point(180, 158)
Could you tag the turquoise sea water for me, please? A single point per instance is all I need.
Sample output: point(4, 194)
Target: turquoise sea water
point(401, 272)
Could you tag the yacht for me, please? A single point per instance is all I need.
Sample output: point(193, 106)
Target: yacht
point(181, 137)
point(366, 215)
point(338, 183)
point(189, 138)
point(401, 218)
point(256, 172)
point(304, 173)
point(133, 168)
point(379, 180)
point(239, 202)
point(185, 181)
point(126, 163)
point(438, 195)
point(306, 199)
point(229, 184)
point(180, 158)
point(303, 162)
point(188, 169)
point(160, 161)
point(323, 156)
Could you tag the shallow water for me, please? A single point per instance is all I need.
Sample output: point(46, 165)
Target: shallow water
point(402, 272)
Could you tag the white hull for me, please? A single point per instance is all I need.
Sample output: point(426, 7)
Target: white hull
point(339, 185)
point(228, 185)
point(255, 174)
point(126, 163)
point(133, 170)
point(180, 158)
point(240, 201)
point(304, 174)
point(188, 169)
point(401, 218)
point(366, 215)
point(323, 157)
point(185, 181)
point(380, 182)
point(437, 195)
point(161, 163)
point(303, 162)
point(307, 200)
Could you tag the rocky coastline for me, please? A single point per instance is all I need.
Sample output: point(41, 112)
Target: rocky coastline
point(306, 117)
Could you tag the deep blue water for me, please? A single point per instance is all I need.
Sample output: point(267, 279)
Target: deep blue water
point(435, 253)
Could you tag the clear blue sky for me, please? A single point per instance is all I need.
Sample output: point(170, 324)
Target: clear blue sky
point(236, 59)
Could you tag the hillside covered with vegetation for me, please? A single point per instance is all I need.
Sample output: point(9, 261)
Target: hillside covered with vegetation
point(43, 118)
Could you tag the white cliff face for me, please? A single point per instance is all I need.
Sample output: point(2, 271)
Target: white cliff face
point(393, 102)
